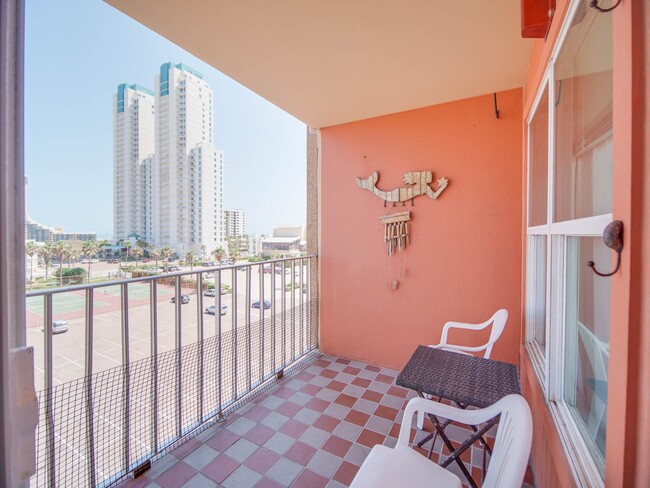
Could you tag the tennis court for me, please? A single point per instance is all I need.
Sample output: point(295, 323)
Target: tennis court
point(62, 302)
point(137, 291)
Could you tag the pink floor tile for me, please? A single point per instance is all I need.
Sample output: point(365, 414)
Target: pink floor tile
point(262, 460)
point(309, 479)
point(303, 449)
point(176, 476)
point(220, 468)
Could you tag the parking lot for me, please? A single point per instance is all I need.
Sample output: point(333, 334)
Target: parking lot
point(69, 350)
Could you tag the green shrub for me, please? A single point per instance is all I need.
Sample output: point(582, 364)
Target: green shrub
point(71, 276)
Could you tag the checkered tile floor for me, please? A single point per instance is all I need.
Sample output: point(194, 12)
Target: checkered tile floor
point(314, 430)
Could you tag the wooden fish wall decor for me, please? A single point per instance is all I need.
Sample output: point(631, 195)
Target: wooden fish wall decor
point(418, 182)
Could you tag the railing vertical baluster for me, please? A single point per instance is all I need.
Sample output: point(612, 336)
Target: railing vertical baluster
point(179, 363)
point(262, 280)
point(153, 327)
point(284, 313)
point(293, 309)
point(234, 333)
point(126, 429)
point(199, 338)
point(302, 308)
point(48, 315)
point(248, 324)
point(273, 298)
point(217, 286)
point(309, 317)
point(90, 427)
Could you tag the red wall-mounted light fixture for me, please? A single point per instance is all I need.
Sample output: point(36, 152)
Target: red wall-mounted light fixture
point(536, 17)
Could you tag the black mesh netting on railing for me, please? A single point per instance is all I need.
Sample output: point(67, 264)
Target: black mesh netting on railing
point(95, 430)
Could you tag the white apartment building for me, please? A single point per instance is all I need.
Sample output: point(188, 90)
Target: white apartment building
point(235, 223)
point(188, 174)
point(286, 240)
point(133, 149)
point(206, 226)
point(145, 183)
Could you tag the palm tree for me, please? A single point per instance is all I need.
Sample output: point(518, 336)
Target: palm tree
point(142, 244)
point(189, 258)
point(45, 252)
point(234, 254)
point(219, 253)
point(60, 251)
point(90, 249)
point(165, 252)
point(70, 253)
point(155, 254)
point(127, 245)
point(137, 253)
point(31, 250)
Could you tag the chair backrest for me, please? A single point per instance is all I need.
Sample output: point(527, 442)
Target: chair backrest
point(498, 320)
point(512, 444)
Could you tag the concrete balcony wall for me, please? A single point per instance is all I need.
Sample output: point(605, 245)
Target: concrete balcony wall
point(464, 259)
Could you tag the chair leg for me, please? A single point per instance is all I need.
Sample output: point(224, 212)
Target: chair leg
point(420, 422)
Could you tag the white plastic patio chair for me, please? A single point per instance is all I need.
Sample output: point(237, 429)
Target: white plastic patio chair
point(498, 321)
point(403, 466)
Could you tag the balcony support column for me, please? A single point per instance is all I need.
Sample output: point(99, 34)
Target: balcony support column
point(313, 230)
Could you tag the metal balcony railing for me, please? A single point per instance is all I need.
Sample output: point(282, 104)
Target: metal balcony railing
point(100, 427)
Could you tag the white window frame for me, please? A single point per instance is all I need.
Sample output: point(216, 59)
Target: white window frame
point(538, 357)
point(549, 367)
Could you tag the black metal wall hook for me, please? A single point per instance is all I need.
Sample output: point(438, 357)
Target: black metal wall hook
point(594, 4)
point(613, 237)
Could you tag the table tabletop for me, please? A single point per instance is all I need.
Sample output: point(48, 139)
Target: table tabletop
point(460, 378)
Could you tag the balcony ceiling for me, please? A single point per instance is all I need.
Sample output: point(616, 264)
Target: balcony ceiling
point(332, 62)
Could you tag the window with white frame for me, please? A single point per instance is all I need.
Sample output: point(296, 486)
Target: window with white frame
point(570, 166)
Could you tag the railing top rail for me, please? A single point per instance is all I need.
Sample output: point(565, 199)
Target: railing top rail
point(64, 289)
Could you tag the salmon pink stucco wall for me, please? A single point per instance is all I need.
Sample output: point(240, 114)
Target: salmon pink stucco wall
point(464, 259)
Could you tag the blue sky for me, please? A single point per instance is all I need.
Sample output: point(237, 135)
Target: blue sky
point(76, 53)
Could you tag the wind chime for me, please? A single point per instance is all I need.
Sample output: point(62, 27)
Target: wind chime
point(396, 225)
point(396, 231)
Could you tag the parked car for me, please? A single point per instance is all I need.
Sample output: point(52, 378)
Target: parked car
point(184, 299)
point(59, 326)
point(146, 260)
point(112, 261)
point(210, 293)
point(256, 304)
point(212, 309)
point(241, 268)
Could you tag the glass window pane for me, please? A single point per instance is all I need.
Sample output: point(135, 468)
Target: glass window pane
point(583, 118)
point(587, 341)
point(536, 290)
point(538, 164)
